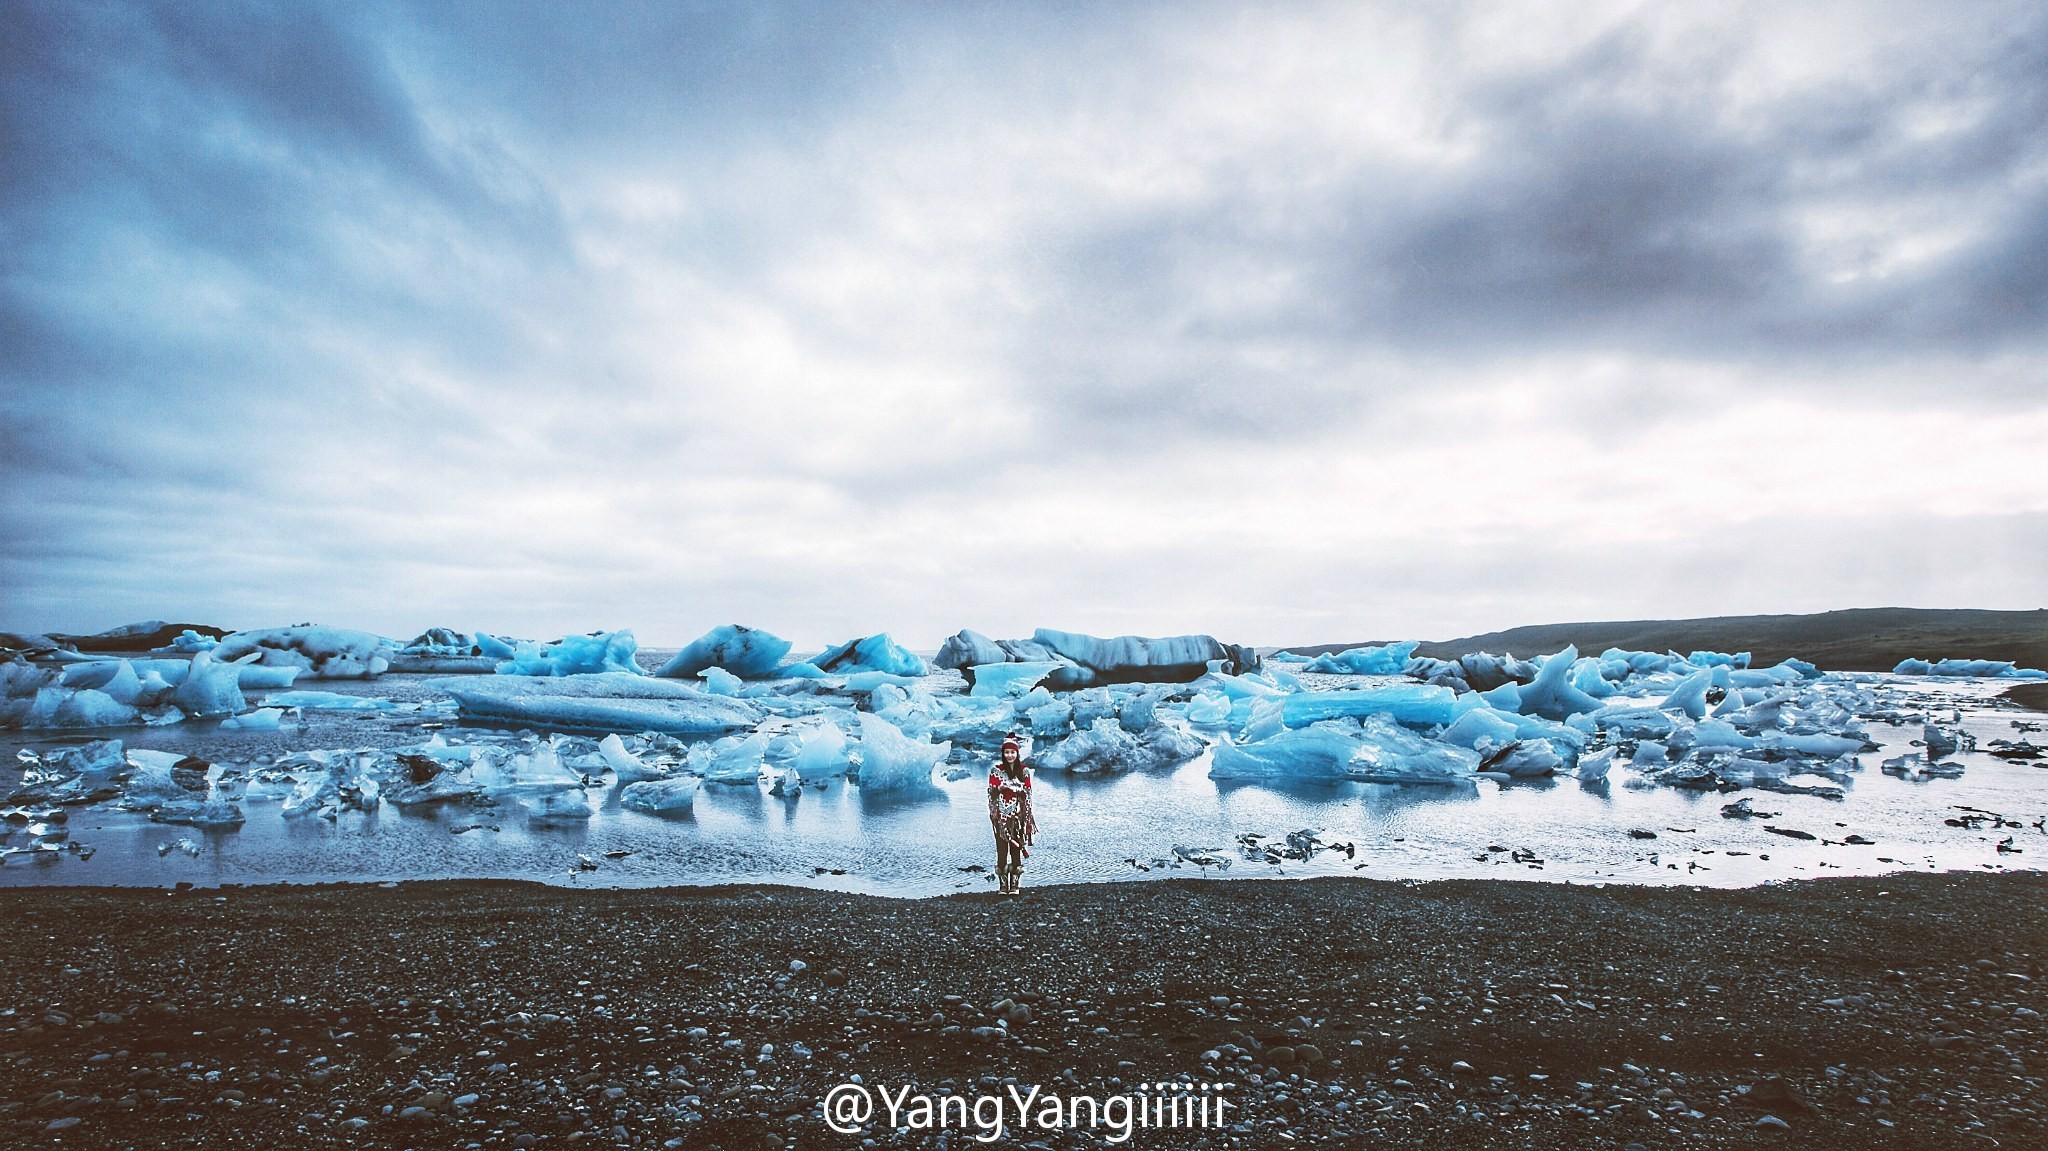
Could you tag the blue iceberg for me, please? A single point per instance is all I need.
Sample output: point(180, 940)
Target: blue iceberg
point(874, 653)
point(747, 652)
point(599, 652)
point(1386, 659)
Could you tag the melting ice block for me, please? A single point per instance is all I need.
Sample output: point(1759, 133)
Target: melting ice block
point(747, 652)
point(608, 701)
point(210, 687)
point(610, 651)
point(678, 793)
point(1105, 748)
point(892, 761)
point(1994, 668)
point(1415, 703)
point(874, 653)
point(323, 652)
point(1386, 659)
point(1552, 694)
point(1008, 679)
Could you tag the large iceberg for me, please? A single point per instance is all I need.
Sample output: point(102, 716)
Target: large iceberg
point(596, 653)
point(1386, 659)
point(1087, 660)
point(607, 701)
point(874, 653)
point(1008, 679)
point(747, 652)
point(1993, 668)
point(323, 652)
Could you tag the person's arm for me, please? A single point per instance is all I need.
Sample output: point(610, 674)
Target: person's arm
point(993, 817)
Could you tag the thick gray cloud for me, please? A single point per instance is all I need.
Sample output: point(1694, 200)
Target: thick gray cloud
point(1287, 322)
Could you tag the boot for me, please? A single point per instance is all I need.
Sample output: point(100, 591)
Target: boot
point(1002, 881)
point(1016, 879)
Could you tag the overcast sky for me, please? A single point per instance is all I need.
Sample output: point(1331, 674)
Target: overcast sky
point(1283, 322)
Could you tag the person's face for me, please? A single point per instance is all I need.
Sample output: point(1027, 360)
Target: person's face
point(1009, 755)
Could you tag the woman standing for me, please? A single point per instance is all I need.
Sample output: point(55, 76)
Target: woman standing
point(1009, 809)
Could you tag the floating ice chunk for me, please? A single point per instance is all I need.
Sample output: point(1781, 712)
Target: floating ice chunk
point(734, 759)
point(1632, 722)
point(610, 701)
point(1105, 748)
point(1589, 677)
point(599, 652)
point(1390, 753)
point(1505, 697)
point(678, 793)
point(1525, 759)
point(210, 687)
point(262, 719)
point(327, 701)
point(1386, 659)
point(324, 652)
point(822, 752)
point(198, 813)
point(863, 682)
point(1593, 768)
point(1414, 703)
point(1690, 696)
point(893, 762)
point(747, 652)
point(969, 648)
point(1718, 659)
point(189, 640)
point(1318, 752)
point(1375, 749)
point(1552, 694)
point(1481, 725)
point(1007, 679)
point(1209, 709)
point(874, 653)
point(1994, 668)
point(625, 766)
point(719, 681)
point(1054, 717)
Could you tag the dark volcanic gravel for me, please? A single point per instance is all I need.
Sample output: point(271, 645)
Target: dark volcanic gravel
point(1895, 1012)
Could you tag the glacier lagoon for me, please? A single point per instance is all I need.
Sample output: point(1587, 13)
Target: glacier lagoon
point(1134, 826)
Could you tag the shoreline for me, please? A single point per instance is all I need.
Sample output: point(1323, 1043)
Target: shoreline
point(1342, 1011)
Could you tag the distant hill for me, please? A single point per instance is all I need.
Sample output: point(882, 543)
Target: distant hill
point(1857, 639)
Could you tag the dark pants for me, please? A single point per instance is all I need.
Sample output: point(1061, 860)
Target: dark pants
point(1007, 854)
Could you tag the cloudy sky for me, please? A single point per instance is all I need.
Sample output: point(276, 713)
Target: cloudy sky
point(1285, 322)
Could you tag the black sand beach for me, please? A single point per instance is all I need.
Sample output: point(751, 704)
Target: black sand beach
point(1894, 1012)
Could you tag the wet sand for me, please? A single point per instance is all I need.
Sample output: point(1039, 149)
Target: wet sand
point(1891, 1012)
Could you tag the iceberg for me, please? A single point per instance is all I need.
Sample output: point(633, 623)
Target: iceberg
point(327, 701)
point(625, 766)
point(1386, 659)
point(1105, 748)
point(677, 793)
point(747, 652)
point(893, 762)
point(1414, 703)
point(606, 701)
point(1372, 750)
point(262, 719)
point(874, 653)
point(1007, 679)
point(596, 653)
point(210, 687)
point(821, 752)
point(1991, 668)
point(719, 681)
point(1086, 660)
point(1552, 694)
point(322, 652)
point(734, 759)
